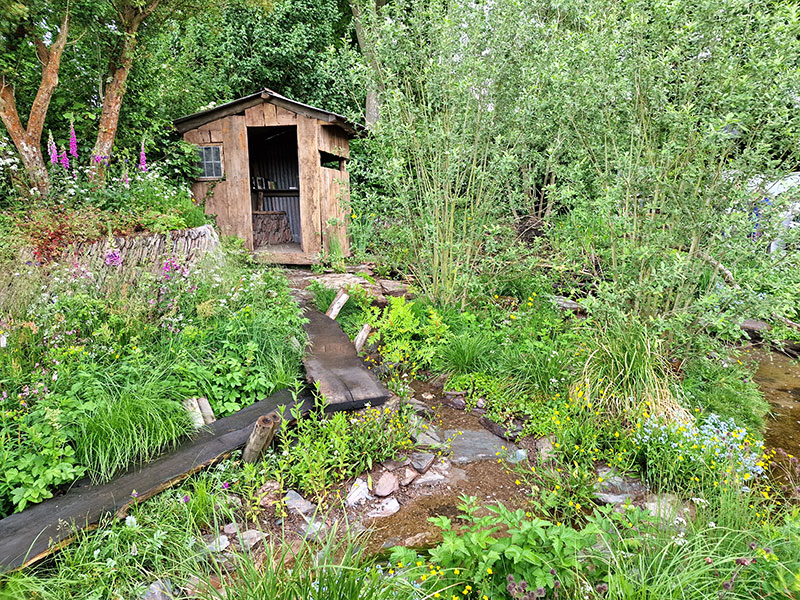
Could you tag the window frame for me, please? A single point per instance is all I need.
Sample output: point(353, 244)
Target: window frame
point(201, 162)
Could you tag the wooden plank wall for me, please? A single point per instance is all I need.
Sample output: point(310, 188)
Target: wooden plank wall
point(308, 161)
point(333, 140)
point(324, 193)
point(335, 205)
point(230, 198)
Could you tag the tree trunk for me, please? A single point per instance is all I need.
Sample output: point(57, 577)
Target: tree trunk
point(372, 111)
point(28, 140)
point(131, 17)
point(115, 91)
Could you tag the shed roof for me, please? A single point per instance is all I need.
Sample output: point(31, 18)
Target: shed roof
point(184, 124)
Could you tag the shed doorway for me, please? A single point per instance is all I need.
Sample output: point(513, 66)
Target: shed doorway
point(275, 188)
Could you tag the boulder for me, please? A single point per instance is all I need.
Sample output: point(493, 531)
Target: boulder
point(408, 476)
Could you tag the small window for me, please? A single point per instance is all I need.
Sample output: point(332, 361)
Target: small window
point(210, 162)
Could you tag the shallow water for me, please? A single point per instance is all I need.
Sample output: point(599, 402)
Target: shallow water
point(778, 376)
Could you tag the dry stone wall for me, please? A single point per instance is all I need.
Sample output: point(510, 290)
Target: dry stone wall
point(147, 250)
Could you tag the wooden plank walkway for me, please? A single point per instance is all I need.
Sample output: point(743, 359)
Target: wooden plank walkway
point(331, 362)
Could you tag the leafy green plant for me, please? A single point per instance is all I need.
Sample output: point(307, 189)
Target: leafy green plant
point(485, 550)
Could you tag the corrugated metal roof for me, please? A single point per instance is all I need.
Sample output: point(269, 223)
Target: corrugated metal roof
point(198, 119)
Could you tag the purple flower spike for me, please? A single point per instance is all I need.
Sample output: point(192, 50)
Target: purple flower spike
point(142, 159)
point(73, 141)
point(186, 499)
point(64, 160)
point(51, 149)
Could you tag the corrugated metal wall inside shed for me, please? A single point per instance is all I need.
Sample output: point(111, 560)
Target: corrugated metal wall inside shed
point(274, 173)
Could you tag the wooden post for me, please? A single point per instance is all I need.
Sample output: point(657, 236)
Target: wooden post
point(362, 336)
point(192, 407)
point(262, 435)
point(206, 410)
point(338, 303)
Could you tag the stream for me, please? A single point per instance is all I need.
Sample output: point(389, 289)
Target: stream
point(778, 376)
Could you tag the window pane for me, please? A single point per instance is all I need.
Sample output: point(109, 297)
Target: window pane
point(210, 161)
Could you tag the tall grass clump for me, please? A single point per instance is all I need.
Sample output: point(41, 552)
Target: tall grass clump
point(626, 371)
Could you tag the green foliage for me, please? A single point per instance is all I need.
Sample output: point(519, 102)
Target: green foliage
point(354, 313)
point(486, 549)
point(727, 389)
point(95, 368)
point(324, 450)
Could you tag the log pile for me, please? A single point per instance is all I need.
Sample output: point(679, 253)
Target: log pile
point(270, 228)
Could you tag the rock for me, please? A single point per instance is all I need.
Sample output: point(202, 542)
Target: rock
point(617, 489)
point(469, 446)
point(313, 529)
point(754, 328)
point(430, 478)
point(566, 304)
point(250, 538)
point(195, 587)
point(510, 433)
point(268, 494)
point(517, 456)
point(234, 501)
point(393, 288)
point(669, 509)
point(160, 589)
point(386, 508)
point(431, 438)
point(230, 529)
point(394, 465)
point(418, 540)
point(422, 461)
point(218, 544)
point(358, 493)
point(420, 408)
point(295, 502)
point(455, 400)
point(544, 447)
point(391, 542)
point(427, 396)
point(387, 484)
point(457, 476)
point(409, 475)
point(480, 404)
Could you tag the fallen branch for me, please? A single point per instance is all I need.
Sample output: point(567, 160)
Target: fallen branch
point(362, 336)
point(338, 304)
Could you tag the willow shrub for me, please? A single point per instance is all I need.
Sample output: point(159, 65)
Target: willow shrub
point(633, 131)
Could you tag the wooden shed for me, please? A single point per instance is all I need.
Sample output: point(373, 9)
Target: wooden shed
point(274, 173)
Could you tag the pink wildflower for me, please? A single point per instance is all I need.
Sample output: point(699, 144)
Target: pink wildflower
point(73, 141)
point(142, 159)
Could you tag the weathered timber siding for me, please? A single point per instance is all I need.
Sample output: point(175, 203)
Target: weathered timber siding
point(335, 207)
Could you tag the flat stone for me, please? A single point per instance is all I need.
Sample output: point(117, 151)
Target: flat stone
point(427, 396)
point(430, 478)
point(544, 446)
point(422, 461)
point(518, 456)
point(418, 540)
point(218, 544)
point(510, 432)
point(230, 529)
point(313, 529)
point(470, 446)
point(160, 589)
point(420, 408)
point(387, 484)
point(250, 538)
point(393, 465)
point(359, 492)
point(457, 476)
point(455, 400)
point(430, 438)
point(386, 508)
point(617, 489)
point(295, 502)
point(268, 494)
point(409, 475)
